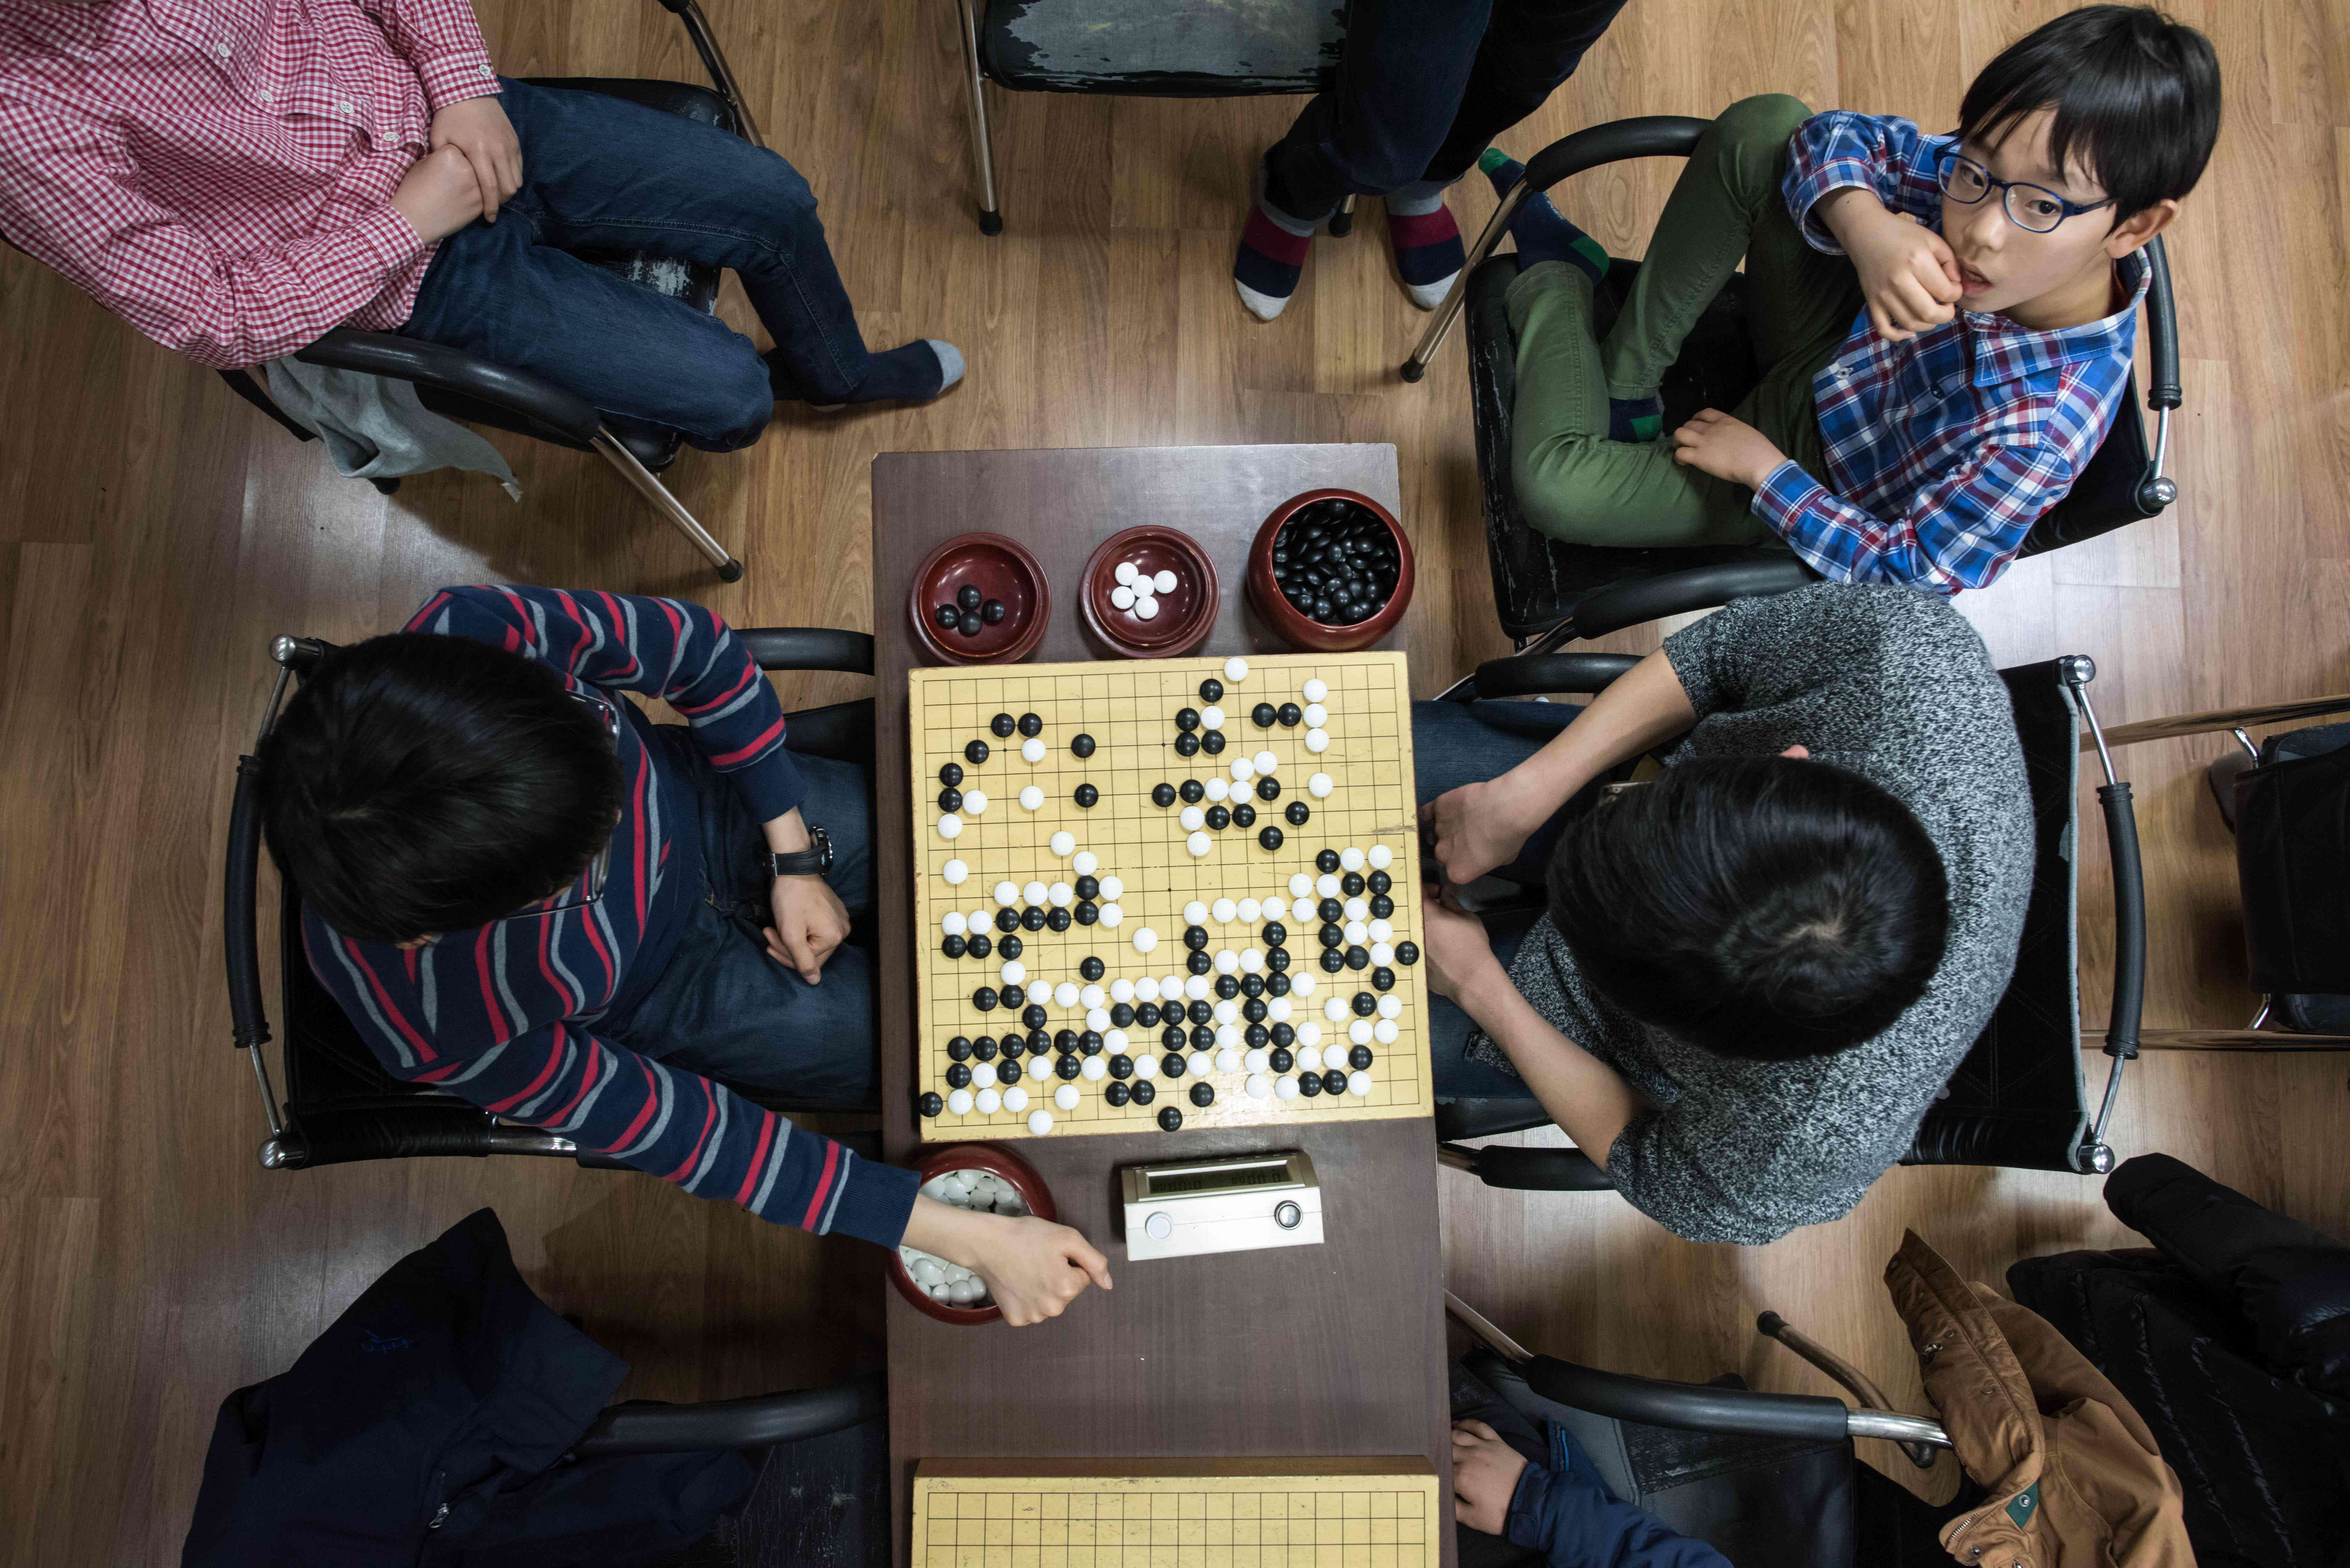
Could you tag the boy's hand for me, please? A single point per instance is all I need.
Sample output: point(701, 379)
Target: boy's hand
point(478, 127)
point(1485, 1472)
point(1715, 443)
point(811, 922)
point(1907, 272)
point(439, 195)
point(1033, 1268)
point(1472, 829)
point(1460, 953)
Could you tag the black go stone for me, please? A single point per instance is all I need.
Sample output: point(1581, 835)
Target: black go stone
point(1187, 720)
point(984, 1049)
point(1006, 919)
point(1010, 947)
point(1268, 788)
point(1383, 977)
point(1117, 1094)
point(1195, 938)
point(1277, 961)
point(1058, 920)
point(1034, 917)
point(1270, 836)
point(1299, 813)
point(1331, 911)
point(1162, 794)
point(1291, 715)
point(970, 623)
point(951, 774)
point(1030, 725)
point(1255, 1036)
point(1381, 906)
point(1333, 961)
point(1334, 935)
point(1007, 1072)
point(969, 596)
point(1334, 1082)
point(1262, 715)
point(1088, 888)
point(1359, 1058)
point(952, 947)
point(1244, 815)
point(958, 1075)
point(1003, 724)
point(1087, 795)
point(1285, 1035)
point(931, 1104)
point(1358, 957)
point(1173, 1037)
point(1039, 1041)
point(992, 612)
point(984, 999)
point(975, 753)
point(1142, 1092)
point(1227, 987)
point(1407, 953)
point(1147, 1015)
point(1091, 967)
point(978, 947)
point(948, 618)
point(1170, 1118)
point(1280, 1060)
point(1380, 882)
point(1253, 1008)
point(1065, 1041)
point(1202, 1037)
point(1213, 741)
point(1089, 1043)
point(1199, 963)
point(1194, 792)
point(1067, 1067)
point(1033, 1017)
point(1365, 1003)
point(1081, 746)
point(1120, 1015)
point(1171, 1065)
point(1086, 913)
point(1199, 1012)
point(1219, 818)
point(1012, 995)
point(1202, 1094)
point(1187, 745)
point(1310, 1084)
point(1211, 690)
point(1351, 884)
point(1252, 985)
point(1326, 862)
point(958, 1048)
point(1121, 1067)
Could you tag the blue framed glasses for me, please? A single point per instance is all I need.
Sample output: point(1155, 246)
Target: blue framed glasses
point(2032, 208)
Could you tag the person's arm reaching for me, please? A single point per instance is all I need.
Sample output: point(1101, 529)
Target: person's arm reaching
point(1565, 1513)
point(441, 40)
point(1868, 186)
point(1481, 825)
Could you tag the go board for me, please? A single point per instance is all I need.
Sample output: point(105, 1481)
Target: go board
point(1157, 1514)
point(1188, 872)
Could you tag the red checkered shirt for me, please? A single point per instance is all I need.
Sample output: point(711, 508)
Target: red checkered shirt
point(219, 172)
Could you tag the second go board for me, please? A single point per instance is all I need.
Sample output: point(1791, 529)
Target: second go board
point(1165, 894)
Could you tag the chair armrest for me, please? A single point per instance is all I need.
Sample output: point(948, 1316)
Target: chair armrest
point(650, 1427)
point(1679, 592)
point(1535, 674)
point(241, 940)
point(1689, 1407)
point(1641, 135)
point(808, 647)
point(1529, 1170)
point(2163, 390)
point(448, 370)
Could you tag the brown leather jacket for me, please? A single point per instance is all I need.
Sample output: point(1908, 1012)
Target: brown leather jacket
point(2075, 1478)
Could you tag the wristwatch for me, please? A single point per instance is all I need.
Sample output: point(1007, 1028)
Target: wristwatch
point(813, 861)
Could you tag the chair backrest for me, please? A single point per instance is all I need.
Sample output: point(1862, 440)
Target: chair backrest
point(2017, 1098)
point(2292, 862)
point(1150, 48)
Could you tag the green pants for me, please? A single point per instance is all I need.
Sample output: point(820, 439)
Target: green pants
point(1575, 484)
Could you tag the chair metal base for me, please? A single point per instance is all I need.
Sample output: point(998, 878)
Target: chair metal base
point(729, 569)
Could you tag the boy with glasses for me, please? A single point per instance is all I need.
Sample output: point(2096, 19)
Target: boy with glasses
point(523, 891)
point(1943, 324)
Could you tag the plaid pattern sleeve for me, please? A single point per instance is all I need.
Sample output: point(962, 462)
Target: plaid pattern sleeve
point(668, 648)
point(480, 1015)
point(1881, 154)
point(444, 42)
point(1958, 532)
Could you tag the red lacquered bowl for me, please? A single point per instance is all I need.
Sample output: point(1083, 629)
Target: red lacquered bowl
point(1187, 612)
point(997, 1160)
point(1000, 568)
point(1302, 631)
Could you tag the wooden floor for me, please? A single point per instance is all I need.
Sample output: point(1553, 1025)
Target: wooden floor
point(154, 532)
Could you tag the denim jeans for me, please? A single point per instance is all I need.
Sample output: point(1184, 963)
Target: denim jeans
point(722, 1007)
point(1422, 87)
point(1455, 744)
point(603, 173)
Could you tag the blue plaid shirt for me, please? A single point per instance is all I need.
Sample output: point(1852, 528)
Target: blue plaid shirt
point(1944, 450)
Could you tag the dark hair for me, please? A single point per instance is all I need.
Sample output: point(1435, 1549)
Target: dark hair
point(1767, 907)
point(2136, 97)
point(419, 784)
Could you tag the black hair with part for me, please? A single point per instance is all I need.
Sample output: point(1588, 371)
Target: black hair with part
point(1765, 908)
point(417, 785)
point(2136, 94)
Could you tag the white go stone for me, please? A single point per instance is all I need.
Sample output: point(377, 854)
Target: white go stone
point(1228, 961)
point(1146, 1065)
point(954, 925)
point(1251, 960)
point(1039, 1068)
point(1196, 988)
point(1014, 971)
point(1065, 995)
point(1286, 1088)
point(1040, 1120)
point(1146, 609)
point(1257, 1059)
point(1062, 844)
point(950, 826)
point(1227, 1061)
point(1066, 1096)
point(987, 1100)
point(1359, 1031)
point(1202, 1065)
point(1310, 1059)
point(1267, 763)
point(1357, 908)
point(1380, 858)
point(974, 801)
point(1061, 894)
point(1096, 1068)
point(1278, 1010)
point(1275, 907)
point(959, 1102)
point(1223, 909)
point(1381, 931)
point(1191, 818)
point(1031, 750)
point(1301, 885)
point(1198, 843)
point(1317, 716)
point(980, 920)
point(1391, 1005)
point(1126, 572)
point(1301, 984)
point(1310, 1032)
point(1195, 913)
point(1242, 770)
point(1111, 913)
point(1032, 797)
point(1093, 997)
point(1217, 789)
point(1007, 893)
point(1084, 864)
point(1385, 1031)
point(1121, 596)
point(1381, 954)
point(1326, 885)
point(1146, 989)
point(1112, 888)
point(1319, 785)
point(1259, 1086)
point(1016, 1099)
point(1351, 858)
point(1163, 580)
point(1226, 1011)
point(1121, 989)
point(1334, 1010)
point(954, 871)
point(1314, 691)
point(1357, 933)
point(1318, 741)
point(1228, 1038)
point(1236, 669)
point(1358, 1082)
point(1249, 912)
point(1211, 718)
point(1115, 1042)
point(1034, 892)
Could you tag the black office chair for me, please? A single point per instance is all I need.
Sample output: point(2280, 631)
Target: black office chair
point(1548, 592)
point(1769, 1480)
point(1143, 48)
point(458, 385)
point(2017, 1098)
point(340, 1104)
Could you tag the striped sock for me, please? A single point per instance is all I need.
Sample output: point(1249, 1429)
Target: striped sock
point(1272, 255)
point(1428, 249)
point(1543, 234)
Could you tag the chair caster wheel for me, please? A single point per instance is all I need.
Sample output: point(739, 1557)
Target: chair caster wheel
point(1342, 223)
point(991, 224)
point(1413, 371)
point(731, 572)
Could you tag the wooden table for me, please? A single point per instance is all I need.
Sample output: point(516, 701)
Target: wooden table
point(1327, 1350)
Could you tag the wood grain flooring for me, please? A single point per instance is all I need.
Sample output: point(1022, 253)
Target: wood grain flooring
point(154, 532)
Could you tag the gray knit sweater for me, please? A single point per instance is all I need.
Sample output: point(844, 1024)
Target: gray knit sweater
point(1895, 685)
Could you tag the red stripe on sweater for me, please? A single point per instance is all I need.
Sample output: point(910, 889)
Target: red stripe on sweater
point(612, 615)
point(486, 970)
point(767, 737)
point(708, 1120)
point(636, 831)
point(1264, 234)
point(644, 1112)
point(1427, 229)
point(594, 1057)
point(383, 1001)
point(758, 1157)
point(751, 672)
point(416, 622)
point(546, 1073)
point(823, 1185)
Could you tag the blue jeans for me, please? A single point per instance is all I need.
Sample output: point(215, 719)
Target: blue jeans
point(1455, 744)
point(603, 173)
point(722, 1007)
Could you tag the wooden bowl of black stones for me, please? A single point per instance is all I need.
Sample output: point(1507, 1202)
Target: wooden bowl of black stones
point(980, 599)
point(1330, 571)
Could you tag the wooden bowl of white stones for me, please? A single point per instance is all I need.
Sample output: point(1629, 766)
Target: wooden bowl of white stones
point(982, 1175)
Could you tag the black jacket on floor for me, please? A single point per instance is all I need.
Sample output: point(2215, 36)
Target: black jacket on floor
point(429, 1426)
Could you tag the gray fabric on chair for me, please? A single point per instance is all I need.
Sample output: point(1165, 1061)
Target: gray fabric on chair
point(1150, 48)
